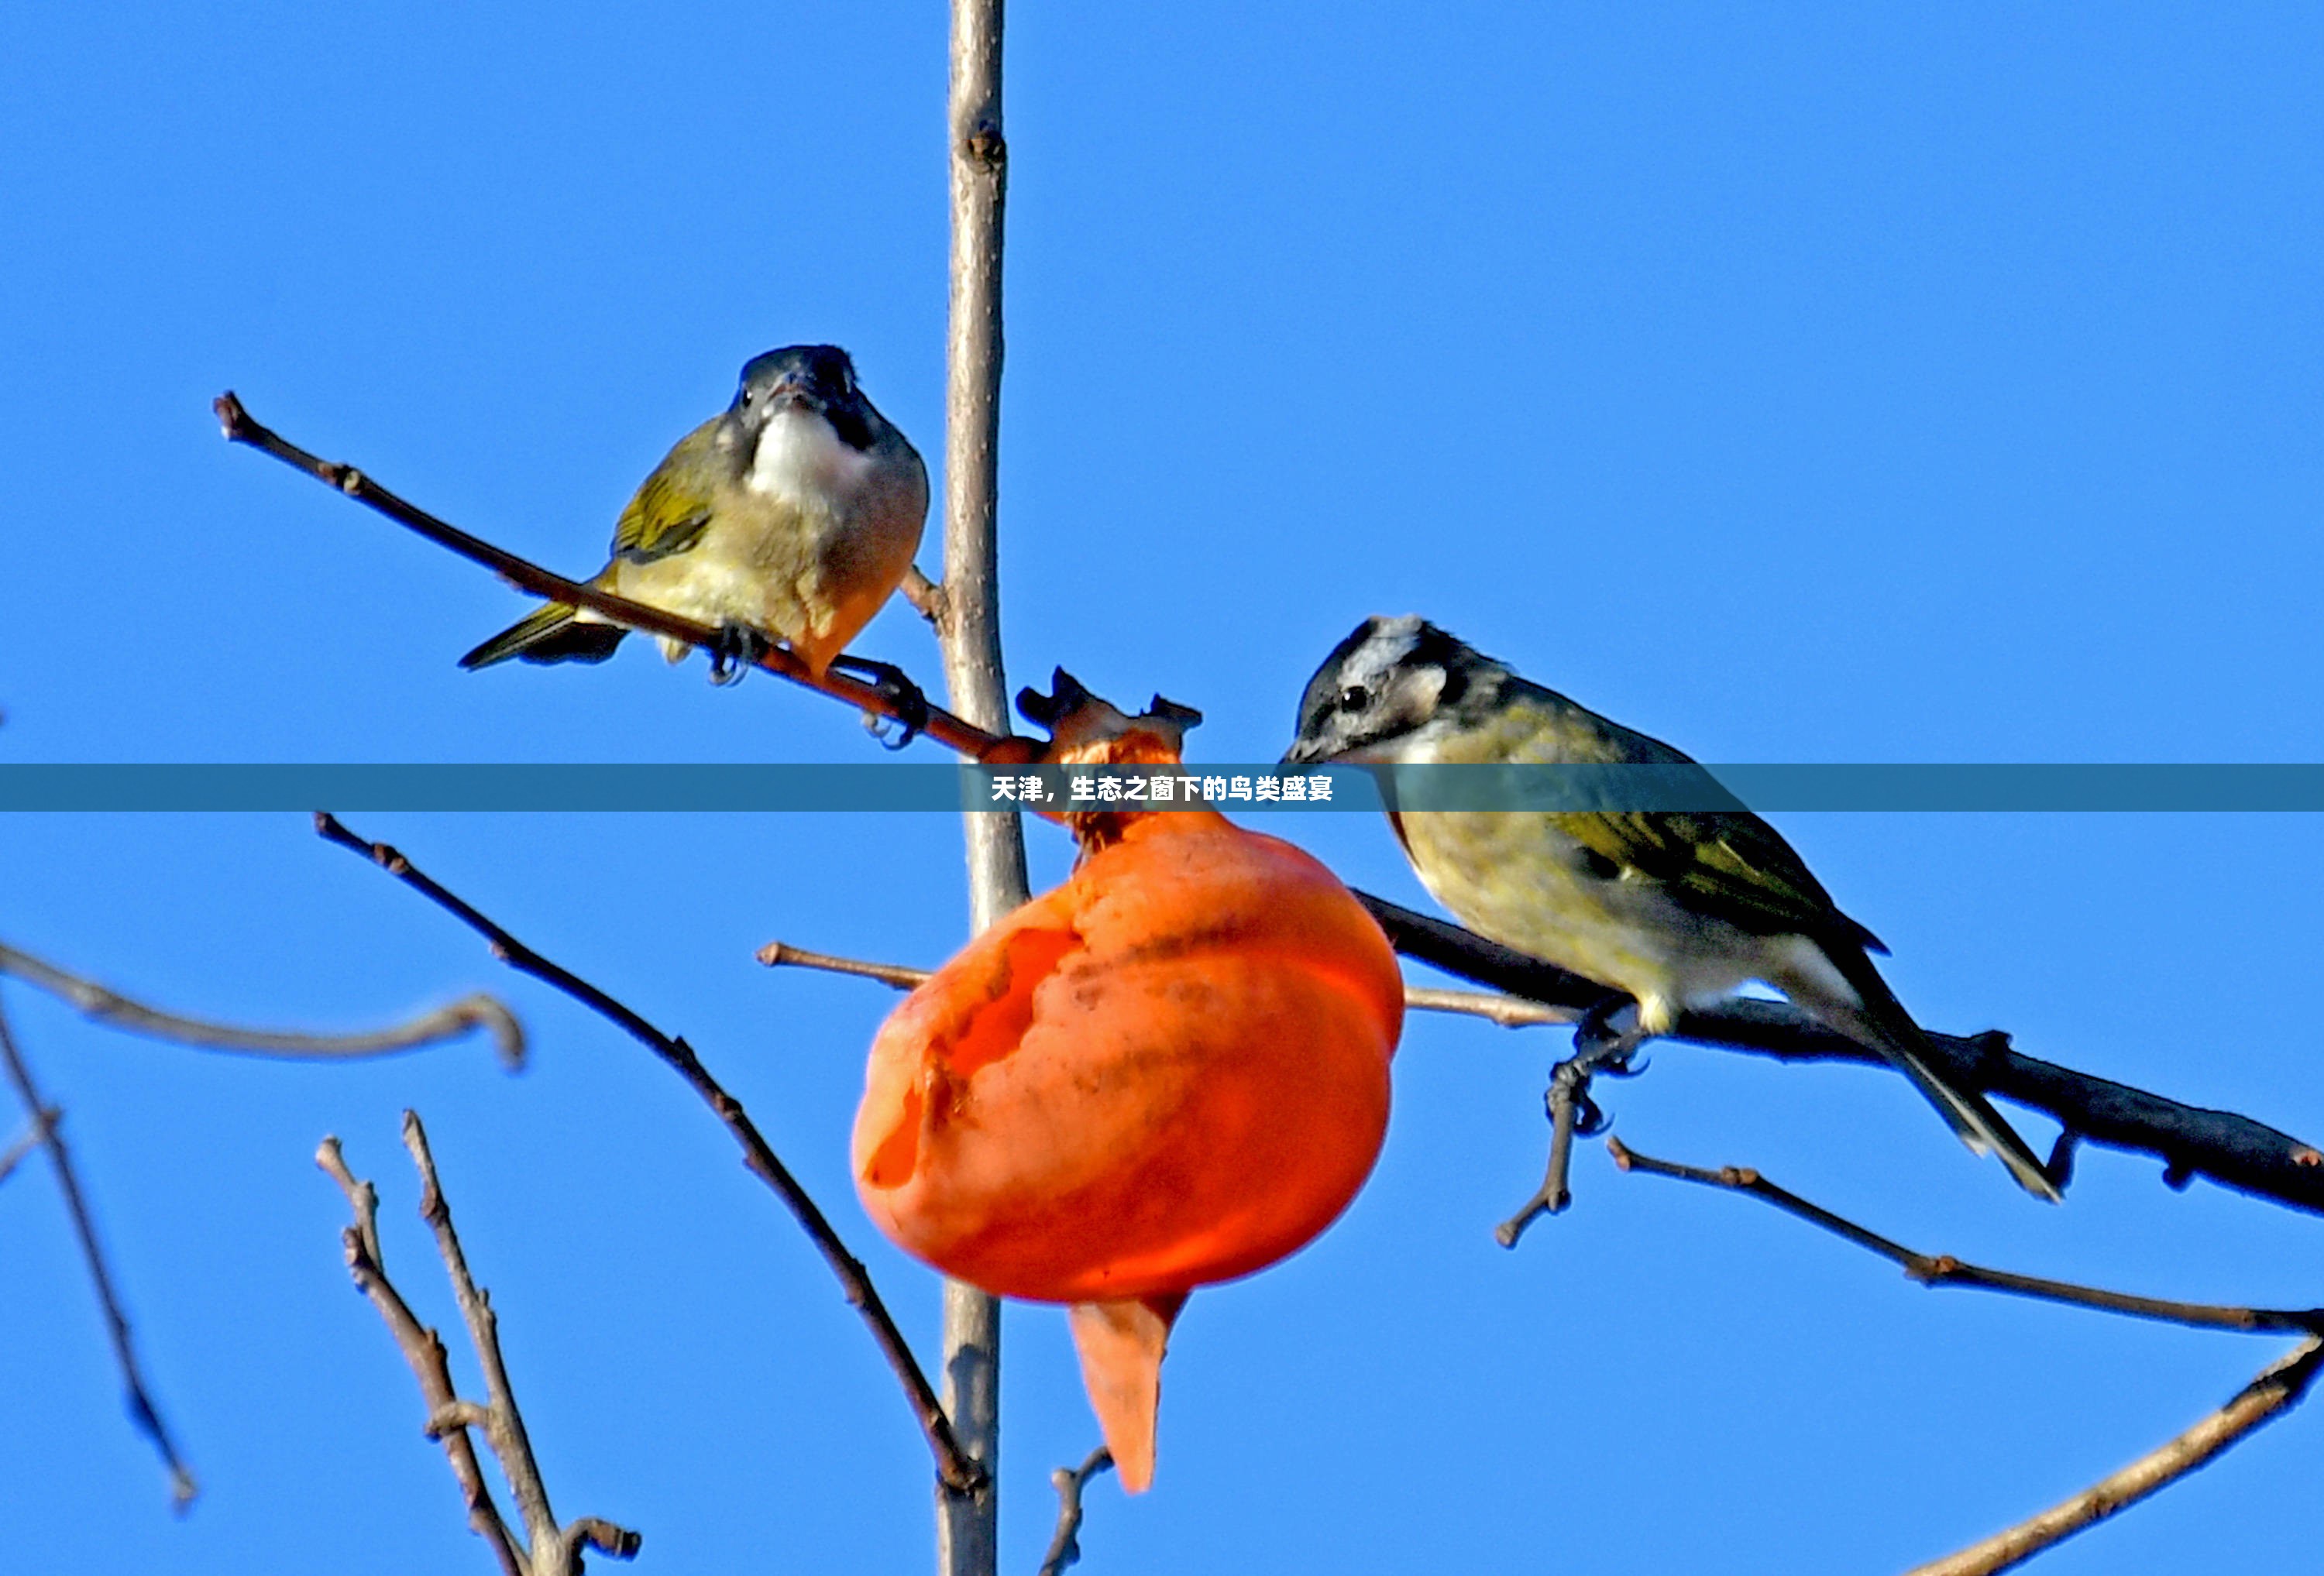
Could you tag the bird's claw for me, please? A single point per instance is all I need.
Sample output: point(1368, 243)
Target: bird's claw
point(1600, 1047)
point(739, 650)
point(908, 702)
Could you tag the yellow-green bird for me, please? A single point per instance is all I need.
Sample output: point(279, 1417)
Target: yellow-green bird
point(1676, 908)
point(792, 515)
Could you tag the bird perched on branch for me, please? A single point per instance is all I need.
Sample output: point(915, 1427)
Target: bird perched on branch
point(1677, 908)
point(791, 516)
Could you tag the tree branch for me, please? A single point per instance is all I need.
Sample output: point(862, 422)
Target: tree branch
point(1942, 1269)
point(2276, 1390)
point(553, 1551)
point(1568, 1083)
point(968, 634)
point(2232, 1150)
point(954, 1466)
point(2278, 1387)
point(147, 1417)
point(111, 1007)
point(1065, 1547)
point(926, 597)
point(240, 426)
point(36, 1133)
point(777, 955)
point(423, 1350)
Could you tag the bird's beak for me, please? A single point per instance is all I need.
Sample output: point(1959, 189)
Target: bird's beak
point(1303, 752)
point(794, 390)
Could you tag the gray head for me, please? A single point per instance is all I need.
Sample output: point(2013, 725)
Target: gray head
point(817, 378)
point(1384, 685)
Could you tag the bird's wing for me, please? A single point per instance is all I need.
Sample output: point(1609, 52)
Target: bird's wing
point(672, 505)
point(1727, 863)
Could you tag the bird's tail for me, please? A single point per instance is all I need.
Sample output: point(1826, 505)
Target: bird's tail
point(1882, 1023)
point(550, 633)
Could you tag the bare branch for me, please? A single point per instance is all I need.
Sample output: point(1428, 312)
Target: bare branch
point(424, 1352)
point(502, 1420)
point(926, 597)
point(1942, 1269)
point(36, 1133)
point(109, 1007)
point(553, 1551)
point(1570, 1111)
point(2276, 1390)
point(2232, 1150)
point(778, 954)
point(141, 1410)
point(1554, 1194)
point(1065, 1547)
point(240, 426)
point(592, 1532)
point(954, 1466)
point(2278, 1387)
point(1493, 1006)
point(968, 1528)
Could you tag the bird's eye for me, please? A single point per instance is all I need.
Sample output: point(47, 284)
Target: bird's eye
point(1355, 698)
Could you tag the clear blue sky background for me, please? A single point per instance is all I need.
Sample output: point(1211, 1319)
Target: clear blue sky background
point(1834, 383)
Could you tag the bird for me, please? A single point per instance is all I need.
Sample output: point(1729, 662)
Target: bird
point(791, 515)
point(1676, 908)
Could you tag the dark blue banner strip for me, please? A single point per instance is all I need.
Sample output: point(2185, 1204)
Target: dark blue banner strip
point(895, 785)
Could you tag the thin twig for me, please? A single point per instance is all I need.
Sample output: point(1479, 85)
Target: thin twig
point(2232, 1150)
point(778, 954)
point(595, 1532)
point(423, 1350)
point(503, 1423)
point(553, 1551)
point(2276, 1390)
point(926, 597)
point(141, 1410)
point(1554, 1194)
point(36, 1133)
point(1570, 1110)
point(1493, 1006)
point(1065, 1547)
point(240, 426)
point(1509, 1012)
point(954, 1466)
point(109, 1007)
point(1941, 1269)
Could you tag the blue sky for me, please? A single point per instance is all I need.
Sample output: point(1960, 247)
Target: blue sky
point(1821, 383)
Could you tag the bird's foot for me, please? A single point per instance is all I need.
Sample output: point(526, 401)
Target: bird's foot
point(1600, 1045)
point(739, 650)
point(1603, 1047)
point(907, 702)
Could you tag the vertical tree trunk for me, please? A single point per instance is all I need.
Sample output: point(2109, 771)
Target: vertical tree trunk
point(967, 1527)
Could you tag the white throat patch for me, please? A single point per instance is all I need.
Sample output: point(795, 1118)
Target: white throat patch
point(800, 459)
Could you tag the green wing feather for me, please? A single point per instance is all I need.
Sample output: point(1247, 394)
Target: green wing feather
point(1728, 863)
point(672, 505)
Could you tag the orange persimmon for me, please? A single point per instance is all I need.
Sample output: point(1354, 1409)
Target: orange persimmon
point(1171, 1070)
